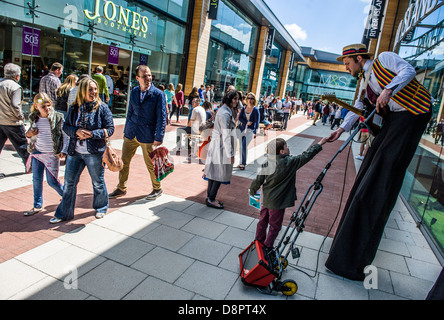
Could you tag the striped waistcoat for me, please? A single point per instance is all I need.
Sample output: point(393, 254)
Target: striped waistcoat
point(414, 97)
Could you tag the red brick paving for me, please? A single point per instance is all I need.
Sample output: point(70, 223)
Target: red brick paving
point(19, 234)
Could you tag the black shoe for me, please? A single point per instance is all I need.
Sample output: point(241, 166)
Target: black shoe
point(216, 206)
point(154, 194)
point(116, 193)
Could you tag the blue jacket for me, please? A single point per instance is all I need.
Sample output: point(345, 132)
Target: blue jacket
point(146, 120)
point(254, 118)
point(101, 118)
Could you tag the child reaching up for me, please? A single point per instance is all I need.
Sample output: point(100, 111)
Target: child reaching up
point(278, 180)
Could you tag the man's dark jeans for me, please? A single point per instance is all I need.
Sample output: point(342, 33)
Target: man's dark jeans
point(16, 135)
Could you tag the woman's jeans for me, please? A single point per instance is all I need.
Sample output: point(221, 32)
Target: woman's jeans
point(74, 168)
point(38, 170)
point(244, 140)
point(176, 109)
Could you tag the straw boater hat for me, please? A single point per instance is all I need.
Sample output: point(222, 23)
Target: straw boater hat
point(354, 50)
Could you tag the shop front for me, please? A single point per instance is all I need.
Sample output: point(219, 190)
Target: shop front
point(322, 74)
point(231, 50)
point(420, 41)
point(83, 34)
point(273, 64)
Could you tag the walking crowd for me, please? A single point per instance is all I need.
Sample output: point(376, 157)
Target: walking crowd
point(72, 120)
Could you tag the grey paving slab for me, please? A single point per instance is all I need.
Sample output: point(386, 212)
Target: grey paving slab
point(127, 251)
point(44, 251)
point(62, 264)
point(236, 237)
point(231, 260)
point(390, 261)
point(173, 218)
point(202, 211)
point(205, 228)
point(168, 237)
point(127, 224)
point(234, 219)
point(155, 289)
point(207, 280)
point(332, 288)
point(110, 280)
point(16, 276)
point(206, 250)
point(90, 237)
point(410, 287)
point(423, 270)
point(163, 264)
point(51, 289)
point(305, 279)
point(239, 291)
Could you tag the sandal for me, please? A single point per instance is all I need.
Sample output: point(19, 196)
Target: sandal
point(218, 206)
point(241, 167)
point(32, 212)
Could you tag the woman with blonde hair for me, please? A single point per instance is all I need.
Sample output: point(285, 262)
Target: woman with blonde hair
point(63, 93)
point(46, 145)
point(88, 122)
point(170, 97)
point(249, 123)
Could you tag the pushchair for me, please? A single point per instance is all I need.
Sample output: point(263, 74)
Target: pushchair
point(278, 120)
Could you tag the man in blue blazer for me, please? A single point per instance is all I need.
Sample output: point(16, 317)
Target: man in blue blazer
point(144, 127)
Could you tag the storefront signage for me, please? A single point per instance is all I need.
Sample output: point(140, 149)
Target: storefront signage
point(429, 39)
point(415, 13)
point(113, 55)
point(375, 19)
point(212, 11)
point(31, 41)
point(119, 18)
point(269, 42)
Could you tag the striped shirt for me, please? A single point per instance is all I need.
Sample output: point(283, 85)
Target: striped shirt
point(405, 73)
point(44, 139)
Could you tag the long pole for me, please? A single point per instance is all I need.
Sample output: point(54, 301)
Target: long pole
point(91, 28)
point(133, 43)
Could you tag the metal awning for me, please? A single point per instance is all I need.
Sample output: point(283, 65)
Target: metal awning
point(259, 12)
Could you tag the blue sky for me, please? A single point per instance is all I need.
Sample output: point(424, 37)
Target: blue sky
point(325, 25)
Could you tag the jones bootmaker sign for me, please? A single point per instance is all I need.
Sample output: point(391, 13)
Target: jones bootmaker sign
point(118, 17)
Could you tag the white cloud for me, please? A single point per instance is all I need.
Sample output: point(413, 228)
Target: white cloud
point(366, 11)
point(296, 32)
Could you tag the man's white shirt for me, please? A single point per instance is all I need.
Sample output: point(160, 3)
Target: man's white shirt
point(404, 74)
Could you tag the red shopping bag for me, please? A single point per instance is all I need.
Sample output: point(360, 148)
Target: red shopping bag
point(162, 162)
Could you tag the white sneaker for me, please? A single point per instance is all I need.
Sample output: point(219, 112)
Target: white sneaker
point(55, 220)
point(359, 157)
point(100, 215)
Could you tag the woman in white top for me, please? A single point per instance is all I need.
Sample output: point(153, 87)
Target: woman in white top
point(47, 144)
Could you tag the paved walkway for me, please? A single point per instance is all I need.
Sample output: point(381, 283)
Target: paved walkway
point(176, 248)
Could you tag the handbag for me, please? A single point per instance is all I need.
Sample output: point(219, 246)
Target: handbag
point(110, 158)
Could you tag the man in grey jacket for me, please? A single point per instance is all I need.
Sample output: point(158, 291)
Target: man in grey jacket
point(11, 116)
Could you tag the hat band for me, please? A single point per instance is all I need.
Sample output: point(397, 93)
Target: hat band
point(354, 51)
